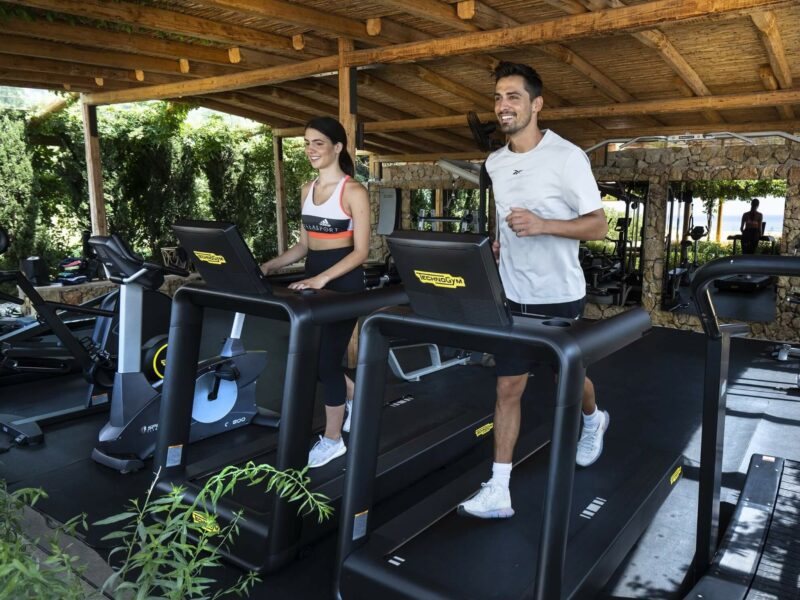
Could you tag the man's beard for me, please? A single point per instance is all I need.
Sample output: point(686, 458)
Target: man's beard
point(513, 127)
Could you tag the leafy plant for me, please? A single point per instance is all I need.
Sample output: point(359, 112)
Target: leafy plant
point(23, 575)
point(167, 544)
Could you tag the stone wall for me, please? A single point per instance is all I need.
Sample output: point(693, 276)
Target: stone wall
point(729, 159)
point(78, 294)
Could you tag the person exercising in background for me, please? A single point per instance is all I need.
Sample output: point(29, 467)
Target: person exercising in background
point(547, 200)
point(751, 228)
point(334, 239)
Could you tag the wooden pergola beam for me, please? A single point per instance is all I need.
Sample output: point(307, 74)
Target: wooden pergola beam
point(297, 15)
point(25, 46)
point(453, 87)
point(372, 110)
point(88, 82)
point(483, 15)
point(641, 107)
point(176, 22)
point(604, 22)
point(432, 10)
point(770, 82)
point(250, 102)
point(767, 26)
point(711, 116)
point(430, 156)
point(59, 67)
point(223, 83)
point(410, 98)
point(120, 41)
point(756, 126)
point(233, 109)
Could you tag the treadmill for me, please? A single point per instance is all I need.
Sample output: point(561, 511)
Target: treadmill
point(425, 435)
point(571, 530)
point(757, 556)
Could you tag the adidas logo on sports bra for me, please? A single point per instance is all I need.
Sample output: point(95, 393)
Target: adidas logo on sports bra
point(324, 223)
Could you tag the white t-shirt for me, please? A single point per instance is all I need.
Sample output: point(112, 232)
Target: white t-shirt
point(554, 181)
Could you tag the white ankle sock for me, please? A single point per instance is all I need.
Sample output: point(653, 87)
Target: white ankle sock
point(592, 421)
point(501, 474)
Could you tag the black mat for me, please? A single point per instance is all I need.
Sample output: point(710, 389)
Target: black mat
point(651, 389)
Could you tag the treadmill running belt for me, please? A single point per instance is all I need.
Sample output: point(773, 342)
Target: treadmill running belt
point(778, 571)
point(496, 558)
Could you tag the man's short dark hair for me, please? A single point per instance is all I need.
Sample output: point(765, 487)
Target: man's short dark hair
point(533, 83)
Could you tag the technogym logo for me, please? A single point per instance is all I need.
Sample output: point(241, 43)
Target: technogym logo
point(441, 280)
point(210, 258)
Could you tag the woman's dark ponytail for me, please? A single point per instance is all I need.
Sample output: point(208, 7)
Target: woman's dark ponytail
point(334, 131)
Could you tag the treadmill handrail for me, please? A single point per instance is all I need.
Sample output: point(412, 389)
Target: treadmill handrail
point(734, 265)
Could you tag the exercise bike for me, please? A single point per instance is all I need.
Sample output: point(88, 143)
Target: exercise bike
point(224, 396)
point(58, 342)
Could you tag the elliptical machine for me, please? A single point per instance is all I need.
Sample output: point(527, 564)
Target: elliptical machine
point(224, 396)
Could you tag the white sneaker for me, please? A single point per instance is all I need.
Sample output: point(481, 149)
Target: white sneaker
point(348, 407)
point(492, 502)
point(590, 446)
point(324, 451)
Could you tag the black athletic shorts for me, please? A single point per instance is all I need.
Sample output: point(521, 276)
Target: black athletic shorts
point(516, 365)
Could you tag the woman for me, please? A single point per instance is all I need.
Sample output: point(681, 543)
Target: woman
point(334, 239)
point(751, 228)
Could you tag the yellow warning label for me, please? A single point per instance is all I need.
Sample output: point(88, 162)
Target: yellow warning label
point(210, 257)
point(208, 520)
point(484, 429)
point(675, 476)
point(442, 280)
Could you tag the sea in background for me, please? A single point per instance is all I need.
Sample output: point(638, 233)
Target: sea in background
point(732, 210)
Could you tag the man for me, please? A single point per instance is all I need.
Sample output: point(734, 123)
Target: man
point(547, 200)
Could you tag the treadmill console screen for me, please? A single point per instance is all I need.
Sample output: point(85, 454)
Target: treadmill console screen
point(222, 257)
point(451, 277)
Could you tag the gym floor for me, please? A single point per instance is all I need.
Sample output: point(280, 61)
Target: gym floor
point(652, 390)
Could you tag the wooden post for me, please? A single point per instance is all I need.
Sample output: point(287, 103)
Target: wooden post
point(347, 96)
point(97, 204)
point(348, 82)
point(720, 202)
point(438, 208)
point(280, 194)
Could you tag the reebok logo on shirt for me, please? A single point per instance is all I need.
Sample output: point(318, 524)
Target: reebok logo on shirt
point(516, 171)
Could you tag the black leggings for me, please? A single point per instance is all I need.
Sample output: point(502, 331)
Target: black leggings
point(334, 337)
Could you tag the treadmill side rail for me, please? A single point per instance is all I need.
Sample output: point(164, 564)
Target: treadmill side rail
point(736, 561)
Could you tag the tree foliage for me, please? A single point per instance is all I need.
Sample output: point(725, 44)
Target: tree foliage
point(157, 167)
point(18, 205)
